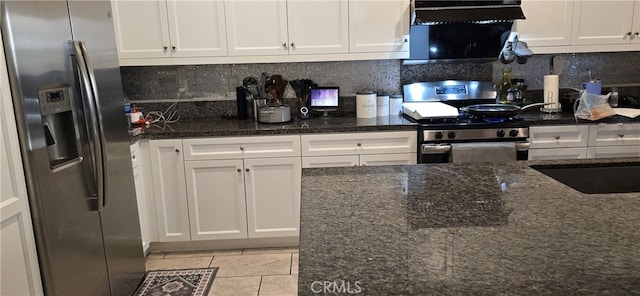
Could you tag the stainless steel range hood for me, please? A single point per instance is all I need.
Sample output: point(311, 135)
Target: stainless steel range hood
point(427, 12)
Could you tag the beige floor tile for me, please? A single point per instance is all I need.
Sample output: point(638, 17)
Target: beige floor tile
point(247, 265)
point(294, 263)
point(279, 285)
point(202, 254)
point(155, 256)
point(177, 263)
point(269, 251)
point(235, 286)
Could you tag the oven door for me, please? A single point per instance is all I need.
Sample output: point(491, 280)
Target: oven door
point(441, 153)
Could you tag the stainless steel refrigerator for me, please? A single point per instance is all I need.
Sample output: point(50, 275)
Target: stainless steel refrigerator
point(68, 101)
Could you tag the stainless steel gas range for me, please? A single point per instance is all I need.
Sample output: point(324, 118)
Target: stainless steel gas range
point(446, 133)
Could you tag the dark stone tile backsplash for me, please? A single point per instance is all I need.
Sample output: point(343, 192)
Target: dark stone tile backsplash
point(213, 83)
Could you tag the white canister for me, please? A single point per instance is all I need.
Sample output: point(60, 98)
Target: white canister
point(551, 84)
point(395, 105)
point(366, 105)
point(382, 105)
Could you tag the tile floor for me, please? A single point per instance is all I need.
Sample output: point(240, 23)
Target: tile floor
point(255, 272)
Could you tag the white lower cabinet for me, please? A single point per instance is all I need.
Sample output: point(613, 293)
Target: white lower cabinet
point(273, 196)
point(584, 141)
point(170, 195)
point(614, 140)
point(351, 149)
point(558, 142)
point(227, 187)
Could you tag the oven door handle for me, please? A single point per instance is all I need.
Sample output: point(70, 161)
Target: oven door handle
point(522, 146)
point(435, 149)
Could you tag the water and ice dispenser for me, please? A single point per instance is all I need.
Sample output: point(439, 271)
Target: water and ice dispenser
point(58, 123)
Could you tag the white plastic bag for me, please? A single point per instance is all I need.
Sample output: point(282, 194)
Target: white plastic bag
point(592, 107)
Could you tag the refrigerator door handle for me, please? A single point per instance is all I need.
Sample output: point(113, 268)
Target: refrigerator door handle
point(96, 138)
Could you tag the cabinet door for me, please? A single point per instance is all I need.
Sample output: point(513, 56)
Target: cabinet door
point(330, 161)
point(614, 135)
point(216, 196)
point(197, 28)
point(379, 26)
point(557, 153)
point(559, 136)
point(142, 28)
point(613, 151)
point(141, 195)
point(388, 159)
point(172, 213)
point(602, 22)
point(548, 23)
point(256, 27)
point(273, 196)
point(318, 27)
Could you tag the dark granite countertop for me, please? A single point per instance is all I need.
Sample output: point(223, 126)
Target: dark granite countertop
point(465, 229)
point(215, 127)
point(231, 127)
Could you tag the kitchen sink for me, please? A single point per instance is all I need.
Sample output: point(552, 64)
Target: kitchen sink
point(596, 178)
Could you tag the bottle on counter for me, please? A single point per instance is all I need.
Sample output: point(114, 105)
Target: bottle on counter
point(505, 86)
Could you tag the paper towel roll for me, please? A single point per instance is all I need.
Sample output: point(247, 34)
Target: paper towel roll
point(395, 105)
point(551, 84)
point(366, 105)
point(382, 105)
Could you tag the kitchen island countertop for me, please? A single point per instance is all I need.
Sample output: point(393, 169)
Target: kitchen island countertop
point(465, 229)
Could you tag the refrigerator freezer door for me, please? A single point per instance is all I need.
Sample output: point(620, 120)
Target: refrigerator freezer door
point(91, 23)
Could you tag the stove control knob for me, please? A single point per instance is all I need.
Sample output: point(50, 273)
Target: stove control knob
point(513, 133)
point(500, 133)
point(438, 135)
point(451, 135)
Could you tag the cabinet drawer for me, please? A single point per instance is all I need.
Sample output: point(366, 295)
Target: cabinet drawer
point(613, 152)
point(359, 143)
point(241, 147)
point(330, 161)
point(614, 135)
point(557, 153)
point(558, 136)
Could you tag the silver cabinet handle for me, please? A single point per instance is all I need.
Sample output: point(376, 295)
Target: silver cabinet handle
point(621, 135)
point(557, 137)
point(241, 148)
point(173, 48)
point(239, 170)
point(359, 144)
point(629, 33)
point(293, 44)
point(133, 156)
point(96, 138)
point(406, 40)
point(165, 48)
point(284, 44)
point(177, 150)
point(246, 170)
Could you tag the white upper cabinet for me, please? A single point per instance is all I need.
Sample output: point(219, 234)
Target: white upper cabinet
point(318, 27)
point(603, 22)
point(548, 23)
point(257, 27)
point(169, 28)
point(580, 25)
point(197, 28)
point(379, 26)
point(142, 29)
point(278, 27)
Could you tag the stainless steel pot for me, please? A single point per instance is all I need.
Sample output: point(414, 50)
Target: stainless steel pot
point(274, 114)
